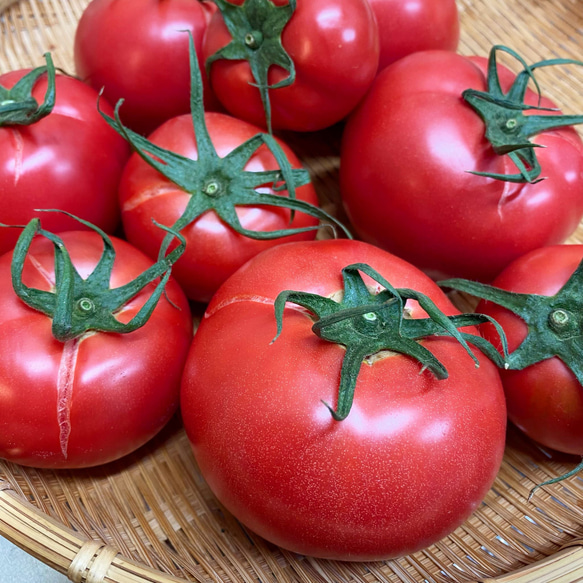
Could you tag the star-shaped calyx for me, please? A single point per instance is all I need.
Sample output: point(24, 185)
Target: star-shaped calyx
point(507, 128)
point(79, 305)
point(221, 184)
point(256, 27)
point(367, 323)
point(555, 323)
point(555, 328)
point(19, 107)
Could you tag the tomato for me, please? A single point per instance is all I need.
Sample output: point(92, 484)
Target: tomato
point(69, 160)
point(545, 400)
point(96, 397)
point(410, 462)
point(334, 46)
point(138, 50)
point(406, 179)
point(214, 250)
point(409, 26)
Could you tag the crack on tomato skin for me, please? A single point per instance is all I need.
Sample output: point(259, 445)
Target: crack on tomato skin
point(237, 299)
point(254, 298)
point(46, 275)
point(65, 381)
point(18, 154)
point(145, 196)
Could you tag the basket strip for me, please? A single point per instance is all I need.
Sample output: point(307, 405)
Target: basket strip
point(564, 567)
point(62, 549)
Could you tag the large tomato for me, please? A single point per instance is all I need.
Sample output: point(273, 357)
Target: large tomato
point(138, 50)
point(99, 396)
point(70, 160)
point(408, 26)
point(334, 46)
point(407, 162)
point(214, 250)
point(410, 462)
point(545, 400)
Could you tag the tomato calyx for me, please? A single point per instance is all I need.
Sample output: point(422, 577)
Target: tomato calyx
point(256, 27)
point(555, 323)
point(367, 323)
point(507, 129)
point(78, 305)
point(19, 107)
point(221, 184)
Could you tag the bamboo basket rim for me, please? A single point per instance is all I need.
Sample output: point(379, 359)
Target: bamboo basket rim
point(70, 520)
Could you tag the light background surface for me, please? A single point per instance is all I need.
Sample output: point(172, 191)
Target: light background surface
point(16, 566)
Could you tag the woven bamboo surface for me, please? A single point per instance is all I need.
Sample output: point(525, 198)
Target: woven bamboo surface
point(151, 518)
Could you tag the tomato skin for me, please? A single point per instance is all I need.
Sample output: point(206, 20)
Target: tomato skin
point(334, 45)
point(412, 460)
point(544, 400)
point(137, 50)
point(70, 160)
point(125, 386)
point(406, 158)
point(409, 26)
point(213, 251)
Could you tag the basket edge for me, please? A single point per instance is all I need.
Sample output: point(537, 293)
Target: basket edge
point(63, 549)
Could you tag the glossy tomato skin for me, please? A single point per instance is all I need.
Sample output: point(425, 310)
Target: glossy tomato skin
point(409, 26)
point(334, 45)
point(412, 460)
point(545, 400)
point(214, 251)
point(406, 159)
point(89, 401)
point(70, 160)
point(137, 50)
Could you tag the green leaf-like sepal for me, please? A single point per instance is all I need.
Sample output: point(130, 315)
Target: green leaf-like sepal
point(79, 305)
point(507, 128)
point(256, 27)
point(19, 107)
point(366, 323)
point(555, 323)
point(222, 184)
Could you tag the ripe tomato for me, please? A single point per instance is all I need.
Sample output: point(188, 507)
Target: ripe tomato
point(138, 50)
point(407, 159)
point(411, 461)
point(334, 46)
point(69, 160)
point(409, 26)
point(545, 400)
point(214, 250)
point(95, 398)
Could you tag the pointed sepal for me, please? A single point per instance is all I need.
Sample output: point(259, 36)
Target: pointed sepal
point(367, 323)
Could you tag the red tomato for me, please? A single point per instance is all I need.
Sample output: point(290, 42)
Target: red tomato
point(138, 50)
point(70, 160)
point(545, 400)
point(96, 398)
point(334, 45)
point(412, 460)
point(214, 250)
point(409, 26)
point(406, 159)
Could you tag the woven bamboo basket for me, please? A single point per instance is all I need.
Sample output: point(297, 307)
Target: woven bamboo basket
point(151, 518)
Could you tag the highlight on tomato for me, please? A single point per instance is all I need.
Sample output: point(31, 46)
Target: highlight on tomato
point(300, 65)
point(538, 301)
point(459, 166)
point(94, 339)
point(137, 50)
point(334, 407)
point(56, 151)
point(410, 26)
point(231, 191)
